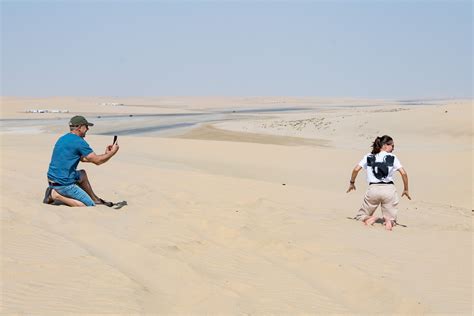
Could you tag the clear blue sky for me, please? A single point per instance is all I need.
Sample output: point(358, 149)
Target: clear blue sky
point(388, 49)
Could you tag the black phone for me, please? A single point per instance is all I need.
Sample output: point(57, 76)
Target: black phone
point(115, 140)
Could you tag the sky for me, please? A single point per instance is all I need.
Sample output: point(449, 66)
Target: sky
point(374, 49)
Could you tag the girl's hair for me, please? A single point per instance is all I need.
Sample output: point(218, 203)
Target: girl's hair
point(379, 142)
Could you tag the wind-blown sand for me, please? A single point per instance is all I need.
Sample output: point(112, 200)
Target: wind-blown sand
point(247, 216)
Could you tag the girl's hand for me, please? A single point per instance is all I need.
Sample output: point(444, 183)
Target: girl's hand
point(405, 192)
point(351, 187)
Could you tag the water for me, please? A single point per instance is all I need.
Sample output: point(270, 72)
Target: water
point(151, 123)
point(156, 124)
point(146, 130)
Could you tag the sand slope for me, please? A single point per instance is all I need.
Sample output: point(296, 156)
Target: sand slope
point(216, 225)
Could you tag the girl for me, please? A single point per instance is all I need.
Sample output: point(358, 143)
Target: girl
point(380, 165)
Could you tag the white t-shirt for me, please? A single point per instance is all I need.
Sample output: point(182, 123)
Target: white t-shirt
point(380, 158)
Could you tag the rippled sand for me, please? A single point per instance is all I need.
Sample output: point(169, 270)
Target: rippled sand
point(247, 216)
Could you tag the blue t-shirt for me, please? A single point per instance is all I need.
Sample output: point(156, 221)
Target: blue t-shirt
point(66, 156)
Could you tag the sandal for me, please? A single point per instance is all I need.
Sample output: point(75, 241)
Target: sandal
point(48, 199)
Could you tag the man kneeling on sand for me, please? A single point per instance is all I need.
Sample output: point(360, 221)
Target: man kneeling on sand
point(66, 184)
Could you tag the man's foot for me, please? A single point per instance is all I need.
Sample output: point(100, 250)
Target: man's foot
point(48, 199)
point(103, 202)
point(370, 220)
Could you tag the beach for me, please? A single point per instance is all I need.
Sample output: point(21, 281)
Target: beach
point(238, 206)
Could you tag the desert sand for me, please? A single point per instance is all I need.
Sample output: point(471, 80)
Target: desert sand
point(241, 213)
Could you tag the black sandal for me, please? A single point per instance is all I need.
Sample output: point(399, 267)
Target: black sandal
point(48, 199)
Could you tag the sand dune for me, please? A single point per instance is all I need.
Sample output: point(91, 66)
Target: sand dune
point(245, 217)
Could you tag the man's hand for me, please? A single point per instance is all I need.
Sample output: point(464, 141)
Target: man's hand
point(351, 187)
point(405, 192)
point(112, 148)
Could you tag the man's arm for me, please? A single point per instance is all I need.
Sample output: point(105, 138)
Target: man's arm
point(110, 151)
point(405, 182)
point(355, 171)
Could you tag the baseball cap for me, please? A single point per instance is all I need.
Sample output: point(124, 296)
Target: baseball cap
point(79, 120)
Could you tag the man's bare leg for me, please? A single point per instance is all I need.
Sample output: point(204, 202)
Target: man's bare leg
point(370, 220)
point(68, 201)
point(86, 186)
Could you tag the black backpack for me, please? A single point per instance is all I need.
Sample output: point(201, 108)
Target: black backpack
point(380, 169)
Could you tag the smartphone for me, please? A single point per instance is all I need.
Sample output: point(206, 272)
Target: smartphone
point(115, 140)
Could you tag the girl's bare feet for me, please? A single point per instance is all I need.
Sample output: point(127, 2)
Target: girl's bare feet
point(370, 220)
point(388, 224)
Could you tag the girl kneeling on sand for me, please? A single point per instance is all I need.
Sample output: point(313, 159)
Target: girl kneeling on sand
point(380, 165)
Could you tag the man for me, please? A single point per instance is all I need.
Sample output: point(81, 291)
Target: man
point(66, 184)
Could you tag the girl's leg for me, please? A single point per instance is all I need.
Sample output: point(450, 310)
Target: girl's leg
point(369, 205)
point(389, 206)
